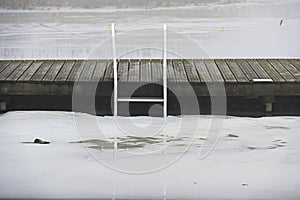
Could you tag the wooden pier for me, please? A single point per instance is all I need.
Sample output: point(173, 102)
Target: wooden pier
point(254, 87)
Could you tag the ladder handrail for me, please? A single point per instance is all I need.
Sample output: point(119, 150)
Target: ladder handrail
point(113, 32)
point(165, 72)
point(115, 68)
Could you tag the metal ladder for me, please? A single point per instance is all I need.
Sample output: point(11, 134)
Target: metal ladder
point(146, 100)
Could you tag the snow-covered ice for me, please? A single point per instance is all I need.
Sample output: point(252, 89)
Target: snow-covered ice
point(255, 158)
point(251, 29)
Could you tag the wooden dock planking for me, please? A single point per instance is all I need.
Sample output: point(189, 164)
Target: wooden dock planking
point(202, 71)
point(179, 71)
point(46, 85)
point(236, 70)
point(9, 69)
point(87, 71)
point(109, 72)
point(258, 69)
point(30, 71)
point(291, 68)
point(123, 70)
point(76, 71)
point(15, 75)
point(282, 71)
point(134, 71)
point(42, 70)
point(65, 71)
point(156, 67)
point(99, 71)
point(160, 70)
point(191, 71)
point(248, 71)
point(53, 71)
point(225, 71)
point(228, 70)
point(295, 62)
point(146, 71)
point(270, 70)
point(213, 71)
point(3, 65)
point(170, 72)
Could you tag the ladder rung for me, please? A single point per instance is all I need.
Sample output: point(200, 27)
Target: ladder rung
point(140, 100)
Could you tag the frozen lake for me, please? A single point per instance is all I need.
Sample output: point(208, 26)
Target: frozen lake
point(255, 158)
point(238, 29)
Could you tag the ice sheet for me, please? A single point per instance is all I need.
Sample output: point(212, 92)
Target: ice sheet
point(250, 29)
point(259, 160)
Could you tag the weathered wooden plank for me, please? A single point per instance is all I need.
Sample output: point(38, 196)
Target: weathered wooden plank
point(202, 71)
point(270, 70)
point(291, 68)
point(53, 71)
point(282, 71)
point(42, 70)
point(179, 71)
point(295, 62)
point(236, 70)
point(225, 71)
point(258, 69)
point(145, 71)
point(170, 72)
point(3, 65)
point(134, 73)
point(76, 71)
point(109, 73)
point(213, 71)
point(88, 69)
point(123, 70)
point(99, 71)
point(191, 71)
point(30, 71)
point(160, 70)
point(15, 75)
point(247, 69)
point(9, 69)
point(230, 70)
point(156, 66)
point(65, 71)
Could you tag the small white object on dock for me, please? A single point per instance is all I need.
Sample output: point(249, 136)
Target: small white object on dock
point(262, 80)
